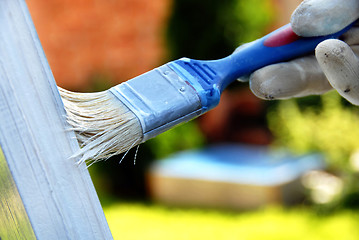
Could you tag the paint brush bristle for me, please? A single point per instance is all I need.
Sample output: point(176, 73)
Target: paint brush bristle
point(104, 126)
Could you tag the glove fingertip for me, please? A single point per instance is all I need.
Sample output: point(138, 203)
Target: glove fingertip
point(322, 17)
point(341, 67)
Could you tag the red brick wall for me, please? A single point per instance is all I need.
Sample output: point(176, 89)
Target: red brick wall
point(118, 38)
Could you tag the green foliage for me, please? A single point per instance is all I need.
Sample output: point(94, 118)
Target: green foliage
point(250, 21)
point(185, 136)
point(139, 221)
point(214, 28)
point(332, 129)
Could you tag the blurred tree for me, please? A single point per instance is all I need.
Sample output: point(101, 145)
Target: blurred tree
point(214, 28)
point(330, 127)
point(185, 136)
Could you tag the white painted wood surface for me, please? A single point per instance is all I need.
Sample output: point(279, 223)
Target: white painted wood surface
point(58, 196)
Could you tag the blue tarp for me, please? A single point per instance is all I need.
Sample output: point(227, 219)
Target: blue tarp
point(241, 164)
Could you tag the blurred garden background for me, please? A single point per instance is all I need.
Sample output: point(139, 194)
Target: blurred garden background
point(92, 45)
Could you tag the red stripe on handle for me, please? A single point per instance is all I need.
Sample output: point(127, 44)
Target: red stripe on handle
point(283, 37)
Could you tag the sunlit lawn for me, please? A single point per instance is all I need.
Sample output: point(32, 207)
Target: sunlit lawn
point(147, 221)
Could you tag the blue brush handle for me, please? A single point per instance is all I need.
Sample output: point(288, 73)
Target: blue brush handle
point(209, 78)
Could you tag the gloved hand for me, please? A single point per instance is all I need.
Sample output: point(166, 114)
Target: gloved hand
point(334, 64)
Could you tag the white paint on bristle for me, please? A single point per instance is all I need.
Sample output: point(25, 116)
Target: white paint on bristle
point(104, 126)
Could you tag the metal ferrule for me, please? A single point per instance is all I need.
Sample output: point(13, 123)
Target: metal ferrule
point(160, 99)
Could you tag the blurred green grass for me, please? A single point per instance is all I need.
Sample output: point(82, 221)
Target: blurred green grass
point(133, 221)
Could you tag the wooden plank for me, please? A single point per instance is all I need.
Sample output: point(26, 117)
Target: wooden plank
point(58, 195)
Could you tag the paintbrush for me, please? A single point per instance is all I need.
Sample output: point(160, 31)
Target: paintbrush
point(113, 121)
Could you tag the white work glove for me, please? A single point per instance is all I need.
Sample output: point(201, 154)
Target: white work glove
point(304, 76)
